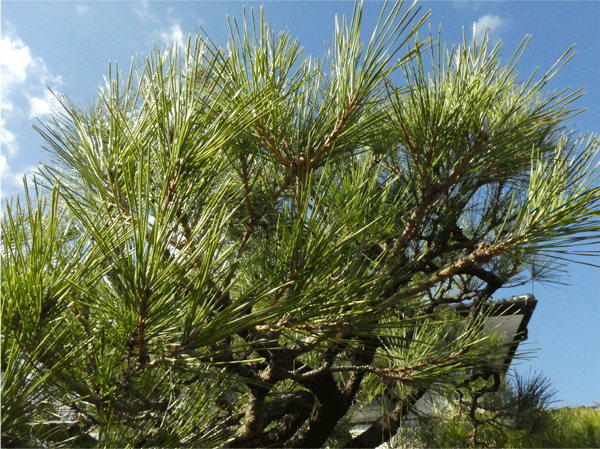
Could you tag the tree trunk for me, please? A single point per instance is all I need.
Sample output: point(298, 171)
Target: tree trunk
point(386, 427)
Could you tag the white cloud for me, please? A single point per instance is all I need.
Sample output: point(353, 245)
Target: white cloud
point(169, 30)
point(25, 75)
point(491, 23)
point(81, 10)
point(4, 169)
point(172, 35)
point(24, 83)
point(8, 140)
point(15, 59)
point(14, 179)
point(43, 105)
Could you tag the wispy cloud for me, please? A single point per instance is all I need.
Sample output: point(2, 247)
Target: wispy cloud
point(490, 23)
point(81, 10)
point(25, 81)
point(168, 25)
point(8, 138)
point(173, 35)
point(24, 75)
point(471, 5)
point(14, 179)
point(143, 12)
point(43, 105)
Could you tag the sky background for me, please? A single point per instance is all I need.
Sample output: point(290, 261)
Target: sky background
point(67, 46)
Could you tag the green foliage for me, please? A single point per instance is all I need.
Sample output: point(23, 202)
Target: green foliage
point(517, 416)
point(236, 245)
point(579, 427)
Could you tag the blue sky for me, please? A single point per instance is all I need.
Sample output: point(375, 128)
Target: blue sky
point(67, 46)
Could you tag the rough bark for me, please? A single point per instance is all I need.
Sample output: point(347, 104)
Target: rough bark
point(334, 402)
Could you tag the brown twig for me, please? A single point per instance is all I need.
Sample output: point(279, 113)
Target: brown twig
point(482, 253)
point(272, 145)
point(337, 129)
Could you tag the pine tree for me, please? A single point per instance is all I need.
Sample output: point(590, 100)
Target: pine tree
point(237, 245)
